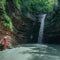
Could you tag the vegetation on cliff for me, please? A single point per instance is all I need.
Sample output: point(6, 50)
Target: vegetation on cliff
point(22, 16)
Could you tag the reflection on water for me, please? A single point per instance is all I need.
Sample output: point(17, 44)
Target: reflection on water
point(32, 52)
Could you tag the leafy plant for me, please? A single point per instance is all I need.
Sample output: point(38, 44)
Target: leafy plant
point(17, 4)
point(38, 6)
point(8, 22)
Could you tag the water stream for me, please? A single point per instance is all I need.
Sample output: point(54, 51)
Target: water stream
point(41, 19)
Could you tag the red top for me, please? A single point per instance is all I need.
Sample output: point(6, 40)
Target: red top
point(5, 42)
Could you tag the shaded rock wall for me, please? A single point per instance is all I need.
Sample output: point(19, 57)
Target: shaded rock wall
point(52, 28)
point(26, 30)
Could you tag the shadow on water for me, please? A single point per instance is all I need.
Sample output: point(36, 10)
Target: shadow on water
point(32, 52)
point(43, 52)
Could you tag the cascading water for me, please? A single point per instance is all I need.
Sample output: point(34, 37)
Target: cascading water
point(41, 19)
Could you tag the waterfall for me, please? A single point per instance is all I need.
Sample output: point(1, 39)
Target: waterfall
point(41, 19)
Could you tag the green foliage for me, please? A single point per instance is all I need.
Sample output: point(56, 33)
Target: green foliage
point(15, 16)
point(8, 22)
point(38, 6)
point(25, 6)
point(17, 4)
point(3, 3)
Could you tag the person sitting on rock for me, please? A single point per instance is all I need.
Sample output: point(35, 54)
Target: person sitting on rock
point(9, 41)
point(6, 41)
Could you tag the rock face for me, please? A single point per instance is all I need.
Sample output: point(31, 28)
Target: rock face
point(27, 30)
point(52, 28)
point(23, 27)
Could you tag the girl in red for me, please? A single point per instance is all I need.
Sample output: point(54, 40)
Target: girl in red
point(5, 42)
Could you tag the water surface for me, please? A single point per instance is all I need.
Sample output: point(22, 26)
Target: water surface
point(32, 52)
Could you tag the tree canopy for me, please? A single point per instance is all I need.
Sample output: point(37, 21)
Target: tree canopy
point(38, 6)
point(25, 6)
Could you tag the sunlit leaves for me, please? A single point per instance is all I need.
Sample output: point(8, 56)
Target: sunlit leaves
point(8, 22)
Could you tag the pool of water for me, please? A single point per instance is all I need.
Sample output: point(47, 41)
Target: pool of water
point(32, 52)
